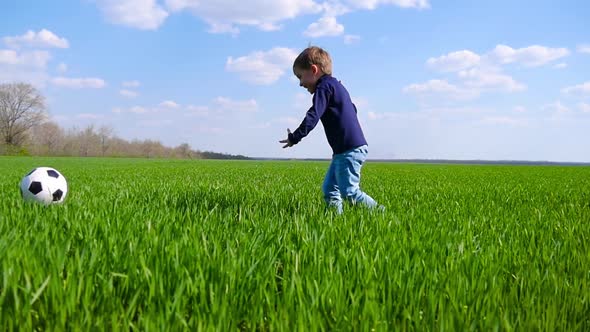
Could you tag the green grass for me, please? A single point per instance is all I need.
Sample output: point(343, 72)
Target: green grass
point(248, 245)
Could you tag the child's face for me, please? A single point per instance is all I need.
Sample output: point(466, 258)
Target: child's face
point(308, 78)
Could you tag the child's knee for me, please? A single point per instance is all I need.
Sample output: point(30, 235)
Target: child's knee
point(350, 194)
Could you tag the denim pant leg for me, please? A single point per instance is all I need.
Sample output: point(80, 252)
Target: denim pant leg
point(331, 190)
point(348, 176)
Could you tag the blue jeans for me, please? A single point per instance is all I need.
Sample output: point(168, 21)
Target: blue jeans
point(343, 179)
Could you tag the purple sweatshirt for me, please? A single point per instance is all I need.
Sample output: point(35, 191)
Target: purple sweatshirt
point(332, 105)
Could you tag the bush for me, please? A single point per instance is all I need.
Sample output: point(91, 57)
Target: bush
point(12, 150)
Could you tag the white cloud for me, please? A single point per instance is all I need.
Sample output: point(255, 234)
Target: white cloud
point(37, 59)
point(584, 48)
point(128, 93)
point(11, 74)
point(224, 104)
point(557, 107)
point(62, 68)
point(28, 66)
point(490, 80)
point(578, 90)
point(79, 83)
point(440, 88)
point(89, 116)
point(335, 8)
point(531, 56)
point(288, 121)
point(584, 107)
point(141, 14)
point(361, 103)
point(504, 120)
point(325, 26)
point(225, 15)
point(197, 110)
point(169, 104)
point(42, 39)
point(560, 65)
point(138, 110)
point(351, 39)
point(262, 67)
point(131, 84)
point(454, 61)
point(223, 28)
point(519, 109)
point(372, 4)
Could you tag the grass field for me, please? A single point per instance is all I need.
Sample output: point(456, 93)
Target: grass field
point(248, 245)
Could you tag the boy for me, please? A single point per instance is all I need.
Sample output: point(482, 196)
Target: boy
point(333, 106)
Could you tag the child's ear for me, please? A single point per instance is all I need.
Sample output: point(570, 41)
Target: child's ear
point(315, 69)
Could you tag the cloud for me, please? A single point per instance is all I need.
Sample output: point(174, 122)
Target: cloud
point(79, 83)
point(224, 104)
point(228, 16)
point(325, 26)
point(440, 88)
point(197, 110)
point(11, 74)
point(560, 65)
point(532, 56)
point(504, 120)
point(262, 67)
point(140, 14)
point(582, 90)
point(225, 15)
point(372, 4)
point(142, 110)
point(351, 39)
point(483, 73)
point(557, 107)
point(61, 68)
point(169, 104)
point(584, 48)
point(131, 84)
point(584, 107)
point(138, 110)
point(489, 79)
point(454, 61)
point(128, 93)
point(42, 39)
point(89, 116)
point(519, 109)
point(36, 59)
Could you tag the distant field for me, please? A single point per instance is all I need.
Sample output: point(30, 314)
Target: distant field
point(247, 245)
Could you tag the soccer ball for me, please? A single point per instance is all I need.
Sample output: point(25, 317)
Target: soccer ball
point(44, 185)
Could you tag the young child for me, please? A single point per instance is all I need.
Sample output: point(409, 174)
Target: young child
point(333, 106)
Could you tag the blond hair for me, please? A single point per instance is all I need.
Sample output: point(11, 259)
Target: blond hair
point(314, 55)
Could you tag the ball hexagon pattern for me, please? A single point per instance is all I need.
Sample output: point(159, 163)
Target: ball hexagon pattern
point(44, 185)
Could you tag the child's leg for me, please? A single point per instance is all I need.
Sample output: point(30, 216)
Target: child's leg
point(330, 189)
point(348, 176)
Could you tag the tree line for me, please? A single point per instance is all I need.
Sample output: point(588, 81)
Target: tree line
point(26, 130)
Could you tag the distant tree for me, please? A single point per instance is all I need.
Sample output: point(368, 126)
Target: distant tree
point(21, 108)
point(152, 149)
point(183, 151)
point(47, 139)
point(90, 142)
point(105, 134)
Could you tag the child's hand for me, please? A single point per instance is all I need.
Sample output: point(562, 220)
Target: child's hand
point(288, 143)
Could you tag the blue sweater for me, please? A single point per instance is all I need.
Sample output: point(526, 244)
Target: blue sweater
point(332, 105)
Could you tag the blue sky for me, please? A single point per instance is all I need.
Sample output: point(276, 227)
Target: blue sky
point(493, 80)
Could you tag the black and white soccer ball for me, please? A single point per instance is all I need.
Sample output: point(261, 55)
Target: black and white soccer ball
point(44, 185)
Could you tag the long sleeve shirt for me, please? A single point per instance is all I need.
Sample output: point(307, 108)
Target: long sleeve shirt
point(333, 106)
